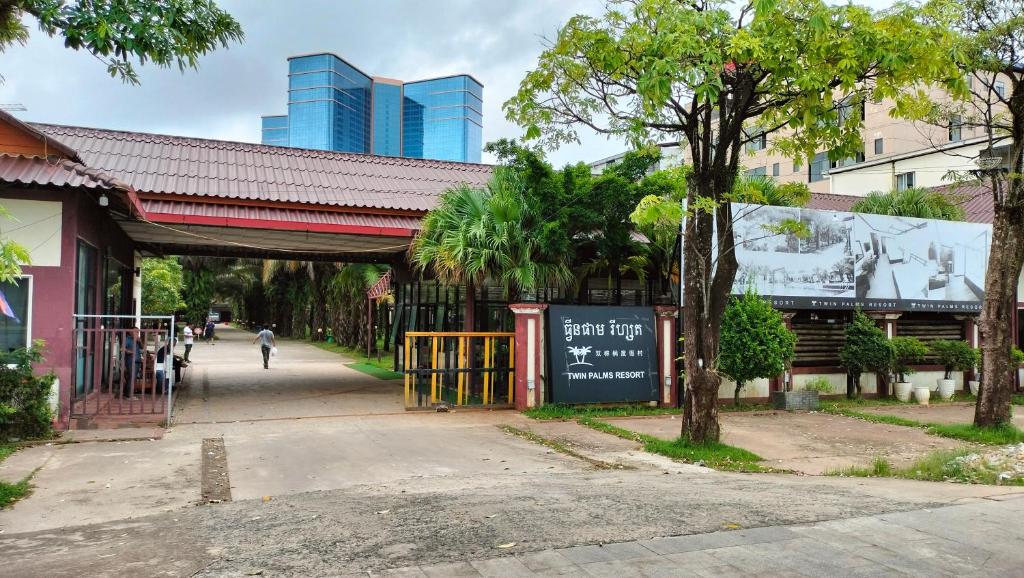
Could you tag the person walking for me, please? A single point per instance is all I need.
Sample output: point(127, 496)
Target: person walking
point(189, 336)
point(208, 334)
point(267, 341)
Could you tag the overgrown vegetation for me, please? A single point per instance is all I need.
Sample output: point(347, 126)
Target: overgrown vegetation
point(10, 493)
point(24, 396)
point(865, 350)
point(996, 435)
point(913, 202)
point(958, 465)
point(755, 341)
point(711, 454)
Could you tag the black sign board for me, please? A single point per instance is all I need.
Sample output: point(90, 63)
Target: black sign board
point(602, 354)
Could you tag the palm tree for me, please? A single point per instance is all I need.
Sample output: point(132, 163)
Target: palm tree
point(764, 190)
point(914, 202)
point(476, 235)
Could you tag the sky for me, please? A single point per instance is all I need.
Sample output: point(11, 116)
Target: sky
point(496, 41)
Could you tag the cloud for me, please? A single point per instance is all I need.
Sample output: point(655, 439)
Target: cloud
point(496, 42)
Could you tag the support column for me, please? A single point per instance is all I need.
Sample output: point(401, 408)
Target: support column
point(529, 354)
point(666, 316)
point(137, 290)
point(971, 337)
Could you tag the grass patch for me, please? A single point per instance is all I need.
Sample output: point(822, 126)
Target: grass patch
point(375, 371)
point(10, 493)
point(558, 447)
point(993, 436)
point(713, 455)
point(6, 450)
point(558, 411)
point(961, 465)
point(730, 408)
point(1018, 400)
point(358, 355)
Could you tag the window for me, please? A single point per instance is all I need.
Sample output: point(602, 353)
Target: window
point(797, 166)
point(775, 170)
point(758, 142)
point(879, 146)
point(955, 126)
point(818, 168)
point(904, 181)
point(14, 333)
point(758, 172)
point(1000, 87)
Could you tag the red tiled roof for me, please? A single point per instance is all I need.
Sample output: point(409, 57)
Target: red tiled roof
point(54, 171)
point(978, 200)
point(157, 209)
point(831, 202)
point(211, 168)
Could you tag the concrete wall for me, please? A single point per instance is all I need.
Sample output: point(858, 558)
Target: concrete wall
point(929, 170)
point(868, 383)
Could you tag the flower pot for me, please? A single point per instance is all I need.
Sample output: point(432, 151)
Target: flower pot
point(921, 394)
point(938, 384)
point(974, 385)
point(902, 390)
point(946, 388)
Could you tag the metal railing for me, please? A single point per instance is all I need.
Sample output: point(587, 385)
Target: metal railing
point(456, 368)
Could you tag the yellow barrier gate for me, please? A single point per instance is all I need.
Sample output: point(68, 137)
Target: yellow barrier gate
point(457, 368)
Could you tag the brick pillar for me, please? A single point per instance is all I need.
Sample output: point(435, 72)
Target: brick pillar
point(666, 316)
point(529, 354)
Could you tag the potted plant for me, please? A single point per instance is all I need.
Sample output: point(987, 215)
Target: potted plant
point(953, 356)
point(755, 341)
point(865, 350)
point(907, 351)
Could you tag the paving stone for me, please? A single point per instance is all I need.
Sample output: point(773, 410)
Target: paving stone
point(408, 572)
point(451, 570)
point(544, 560)
point(501, 567)
point(612, 569)
point(617, 551)
point(690, 543)
point(725, 571)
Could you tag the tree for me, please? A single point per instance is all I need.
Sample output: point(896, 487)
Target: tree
point(913, 202)
point(990, 51)
point(906, 351)
point(168, 33)
point(865, 350)
point(162, 280)
point(755, 341)
point(474, 235)
point(715, 77)
point(954, 355)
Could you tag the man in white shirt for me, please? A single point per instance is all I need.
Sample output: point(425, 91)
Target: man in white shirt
point(267, 341)
point(189, 335)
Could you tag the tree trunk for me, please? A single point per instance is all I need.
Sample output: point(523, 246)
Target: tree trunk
point(851, 385)
point(705, 295)
point(1004, 265)
point(736, 394)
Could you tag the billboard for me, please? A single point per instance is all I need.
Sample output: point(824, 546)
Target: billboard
point(602, 354)
point(855, 260)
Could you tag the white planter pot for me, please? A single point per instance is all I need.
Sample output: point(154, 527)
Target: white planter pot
point(974, 385)
point(921, 394)
point(902, 390)
point(946, 388)
point(938, 384)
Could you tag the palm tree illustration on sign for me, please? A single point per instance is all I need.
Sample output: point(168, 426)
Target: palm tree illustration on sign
point(580, 353)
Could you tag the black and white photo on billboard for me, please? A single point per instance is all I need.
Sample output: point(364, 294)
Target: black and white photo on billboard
point(852, 260)
point(816, 265)
point(920, 259)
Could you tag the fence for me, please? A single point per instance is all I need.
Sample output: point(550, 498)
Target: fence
point(456, 368)
point(122, 370)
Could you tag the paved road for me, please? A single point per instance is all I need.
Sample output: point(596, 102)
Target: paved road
point(356, 487)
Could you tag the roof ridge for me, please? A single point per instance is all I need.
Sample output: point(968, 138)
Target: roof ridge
point(230, 144)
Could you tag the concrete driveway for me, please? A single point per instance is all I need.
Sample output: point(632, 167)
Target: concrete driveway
point(946, 413)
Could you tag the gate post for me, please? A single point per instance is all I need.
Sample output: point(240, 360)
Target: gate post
point(529, 354)
point(666, 316)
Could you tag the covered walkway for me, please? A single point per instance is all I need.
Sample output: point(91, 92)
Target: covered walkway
point(227, 383)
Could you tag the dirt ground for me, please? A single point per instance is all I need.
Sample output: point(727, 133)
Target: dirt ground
point(944, 413)
point(810, 443)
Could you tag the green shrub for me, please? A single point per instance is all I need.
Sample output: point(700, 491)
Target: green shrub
point(954, 355)
point(906, 351)
point(819, 384)
point(755, 342)
point(24, 397)
point(865, 350)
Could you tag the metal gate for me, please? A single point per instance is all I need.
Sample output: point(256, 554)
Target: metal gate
point(124, 366)
point(459, 368)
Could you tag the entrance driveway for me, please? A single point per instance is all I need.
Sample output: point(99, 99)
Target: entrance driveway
point(227, 383)
point(946, 413)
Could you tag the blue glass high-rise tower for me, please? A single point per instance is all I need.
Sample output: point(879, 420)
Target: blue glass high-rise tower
point(333, 105)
